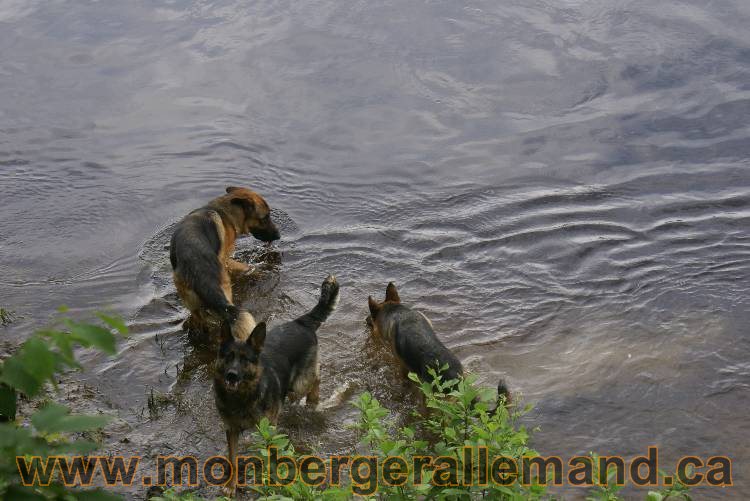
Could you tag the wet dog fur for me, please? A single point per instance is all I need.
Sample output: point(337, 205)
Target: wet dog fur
point(201, 255)
point(254, 375)
point(411, 337)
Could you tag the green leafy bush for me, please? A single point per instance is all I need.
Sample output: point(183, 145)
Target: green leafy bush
point(460, 415)
point(267, 437)
point(27, 373)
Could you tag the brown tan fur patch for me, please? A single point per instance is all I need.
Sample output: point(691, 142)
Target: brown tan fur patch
point(201, 255)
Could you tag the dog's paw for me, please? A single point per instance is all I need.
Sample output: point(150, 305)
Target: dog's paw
point(238, 268)
point(229, 490)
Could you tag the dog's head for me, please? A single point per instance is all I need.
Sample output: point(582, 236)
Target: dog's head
point(238, 366)
point(374, 319)
point(251, 213)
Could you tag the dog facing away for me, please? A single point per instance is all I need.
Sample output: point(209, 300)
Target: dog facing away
point(253, 375)
point(410, 335)
point(201, 255)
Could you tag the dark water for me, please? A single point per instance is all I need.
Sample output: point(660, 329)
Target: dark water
point(563, 187)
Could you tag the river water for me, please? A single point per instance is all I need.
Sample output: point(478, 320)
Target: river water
point(562, 187)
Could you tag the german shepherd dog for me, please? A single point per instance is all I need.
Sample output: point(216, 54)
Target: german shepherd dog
point(201, 255)
point(254, 374)
point(410, 335)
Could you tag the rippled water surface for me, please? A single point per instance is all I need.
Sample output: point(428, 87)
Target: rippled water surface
point(562, 187)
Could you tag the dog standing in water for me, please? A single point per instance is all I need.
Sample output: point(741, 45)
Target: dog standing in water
point(201, 255)
point(410, 335)
point(256, 373)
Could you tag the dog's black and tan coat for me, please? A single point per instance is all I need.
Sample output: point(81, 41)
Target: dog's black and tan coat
point(255, 374)
point(201, 255)
point(411, 337)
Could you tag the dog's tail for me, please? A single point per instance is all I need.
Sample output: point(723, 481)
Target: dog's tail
point(205, 283)
point(241, 322)
point(329, 297)
point(503, 396)
point(237, 324)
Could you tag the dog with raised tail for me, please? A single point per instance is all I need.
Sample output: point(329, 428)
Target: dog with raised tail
point(254, 374)
point(201, 255)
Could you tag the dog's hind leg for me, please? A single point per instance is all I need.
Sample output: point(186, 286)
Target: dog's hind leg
point(243, 323)
point(191, 323)
point(273, 413)
point(313, 396)
point(226, 285)
point(233, 436)
point(197, 323)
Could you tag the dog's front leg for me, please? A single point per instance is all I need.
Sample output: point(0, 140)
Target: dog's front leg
point(313, 396)
point(273, 414)
point(233, 436)
point(235, 267)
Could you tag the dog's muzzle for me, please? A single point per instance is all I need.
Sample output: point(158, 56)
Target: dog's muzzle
point(266, 234)
point(231, 380)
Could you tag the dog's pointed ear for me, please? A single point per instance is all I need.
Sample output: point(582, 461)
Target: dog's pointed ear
point(391, 294)
point(244, 203)
point(257, 337)
point(374, 307)
point(230, 189)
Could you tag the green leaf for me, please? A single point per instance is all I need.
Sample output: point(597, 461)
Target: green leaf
point(116, 323)
point(79, 447)
point(17, 376)
point(64, 344)
point(93, 335)
point(7, 402)
point(18, 493)
point(10, 435)
point(454, 492)
point(55, 418)
point(38, 360)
